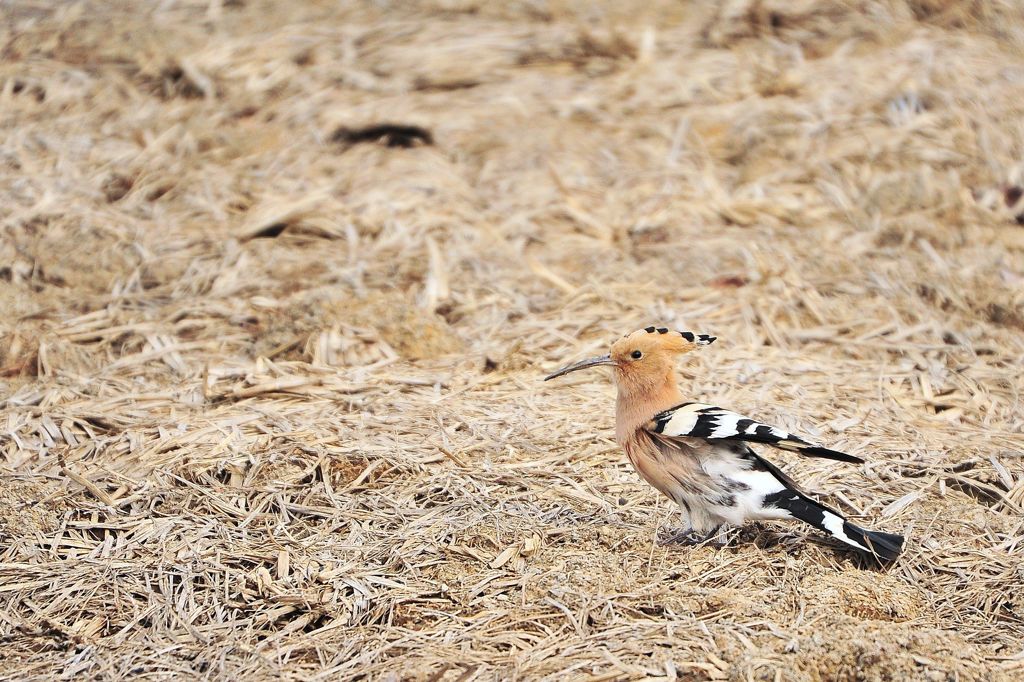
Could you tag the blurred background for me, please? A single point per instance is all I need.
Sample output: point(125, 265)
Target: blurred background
point(278, 281)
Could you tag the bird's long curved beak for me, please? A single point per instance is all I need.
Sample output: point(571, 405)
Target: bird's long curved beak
point(582, 364)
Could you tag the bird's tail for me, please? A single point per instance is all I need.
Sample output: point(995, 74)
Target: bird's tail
point(885, 546)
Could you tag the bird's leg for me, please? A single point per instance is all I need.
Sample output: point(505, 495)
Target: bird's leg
point(719, 537)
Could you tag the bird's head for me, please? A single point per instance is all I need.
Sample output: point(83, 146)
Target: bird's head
point(643, 359)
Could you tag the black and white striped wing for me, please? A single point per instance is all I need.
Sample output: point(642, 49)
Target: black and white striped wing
point(697, 420)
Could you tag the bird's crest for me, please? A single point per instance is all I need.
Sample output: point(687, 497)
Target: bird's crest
point(663, 338)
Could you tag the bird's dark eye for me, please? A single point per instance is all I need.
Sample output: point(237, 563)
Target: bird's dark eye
point(636, 355)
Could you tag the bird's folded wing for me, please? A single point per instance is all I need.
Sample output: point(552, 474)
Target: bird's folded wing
point(696, 420)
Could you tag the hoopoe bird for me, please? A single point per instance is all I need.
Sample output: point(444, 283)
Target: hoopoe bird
point(698, 455)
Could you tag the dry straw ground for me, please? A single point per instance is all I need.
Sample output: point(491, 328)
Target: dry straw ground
point(270, 401)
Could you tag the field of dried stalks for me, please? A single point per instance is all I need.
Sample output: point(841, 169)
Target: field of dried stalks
point(270, 398)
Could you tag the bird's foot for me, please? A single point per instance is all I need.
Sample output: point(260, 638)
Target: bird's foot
point(690, 538)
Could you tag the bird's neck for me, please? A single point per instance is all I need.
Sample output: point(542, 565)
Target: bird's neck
point(638, 401)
